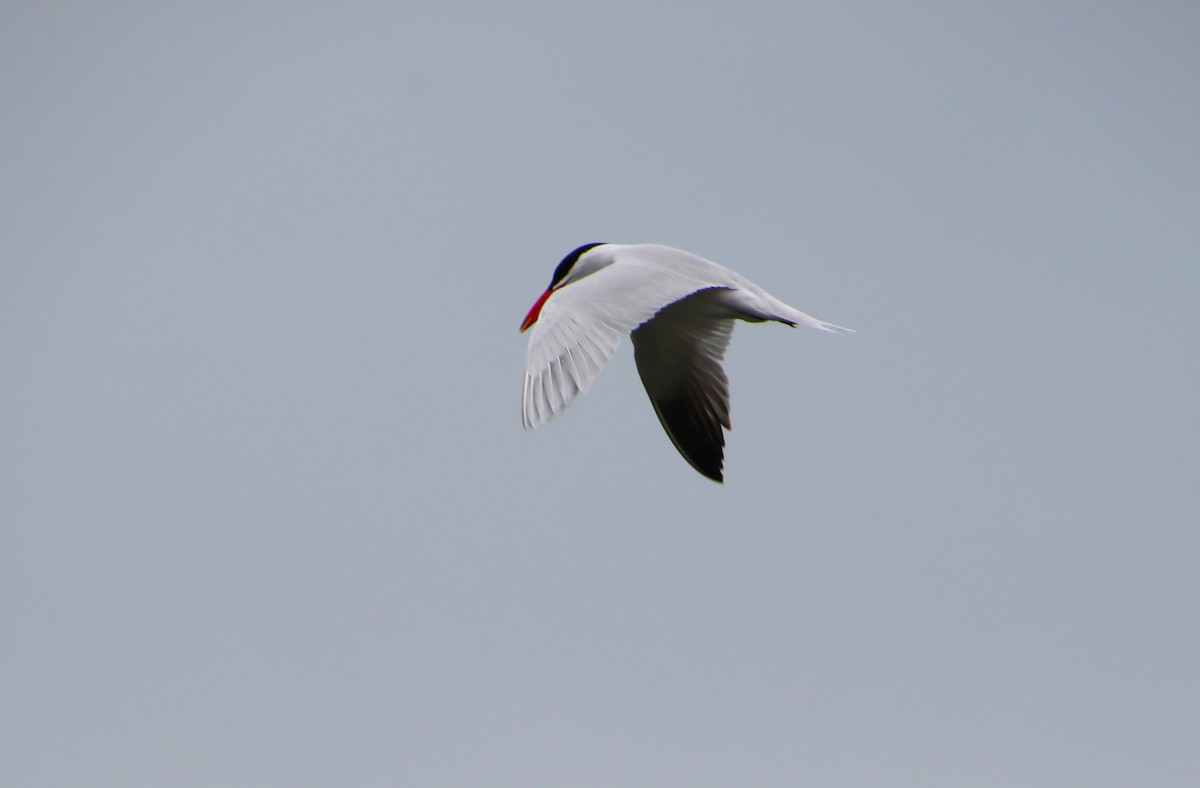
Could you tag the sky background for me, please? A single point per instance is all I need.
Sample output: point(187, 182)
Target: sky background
point(269, 516)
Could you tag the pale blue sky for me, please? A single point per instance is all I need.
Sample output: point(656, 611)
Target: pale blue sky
point(269, 515)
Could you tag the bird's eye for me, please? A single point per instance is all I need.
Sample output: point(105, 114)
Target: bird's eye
point(568, 263)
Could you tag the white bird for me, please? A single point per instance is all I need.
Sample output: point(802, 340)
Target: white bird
point(678, 309)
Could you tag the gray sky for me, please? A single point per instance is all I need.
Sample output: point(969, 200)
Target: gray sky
point(269, 515)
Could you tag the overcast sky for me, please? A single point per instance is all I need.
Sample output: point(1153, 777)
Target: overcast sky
point(269, 517)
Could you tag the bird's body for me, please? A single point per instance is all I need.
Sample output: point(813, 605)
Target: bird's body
point(678, 309)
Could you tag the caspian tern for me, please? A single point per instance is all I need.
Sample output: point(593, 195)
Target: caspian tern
point(678, 309)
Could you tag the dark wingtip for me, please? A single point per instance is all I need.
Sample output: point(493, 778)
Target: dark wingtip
point(697, 436)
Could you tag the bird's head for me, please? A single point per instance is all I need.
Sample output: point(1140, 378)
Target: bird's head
point(575, 266)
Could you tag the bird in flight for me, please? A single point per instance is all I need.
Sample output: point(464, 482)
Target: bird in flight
point(678, 309)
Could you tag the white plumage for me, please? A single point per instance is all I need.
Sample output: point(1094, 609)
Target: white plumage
point(678, 308)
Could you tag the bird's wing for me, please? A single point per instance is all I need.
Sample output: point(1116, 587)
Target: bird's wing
point(580, 326)
point(679, 354)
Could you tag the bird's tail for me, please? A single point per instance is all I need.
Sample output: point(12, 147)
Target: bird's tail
point(794, 317)
point(754, 304)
